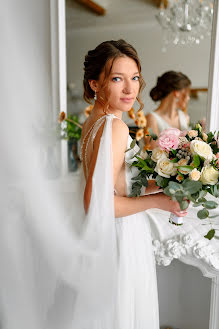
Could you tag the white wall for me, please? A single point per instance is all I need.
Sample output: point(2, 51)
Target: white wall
point(147, 39)
point(25, 79)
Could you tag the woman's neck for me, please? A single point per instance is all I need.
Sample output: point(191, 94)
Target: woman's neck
point(98, 110)
point(168, 107)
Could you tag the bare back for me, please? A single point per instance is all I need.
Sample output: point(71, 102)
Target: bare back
point(90, 141)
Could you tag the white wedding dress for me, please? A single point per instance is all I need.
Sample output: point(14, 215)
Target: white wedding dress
point(136, 299)
point(162, 124)
point(66, 270)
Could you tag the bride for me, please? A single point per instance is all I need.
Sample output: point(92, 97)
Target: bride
point(91, 267)
point(112, 77)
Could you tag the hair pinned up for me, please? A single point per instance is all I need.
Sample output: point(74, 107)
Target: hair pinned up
point(169, 82)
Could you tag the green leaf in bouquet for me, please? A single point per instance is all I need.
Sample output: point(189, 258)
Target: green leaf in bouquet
point(210, 137)
point(179, 196)
point(173, 151)
point(210, 204)
point(142, 161)
point(202, 200)
point(202, 193)
point(148, 169)
point(185, 168)
point(192, 186)
point(216, 191)
point(170, 192)
point(175, 186)
point(203, 213)
point(152, 134)
point(132, 145)
point(196, 160)
point(162, 181)
point(214, 147)
point(144, 181)
point(175, 160)
point(197, 204)
point(210, 234)
point(183, 204)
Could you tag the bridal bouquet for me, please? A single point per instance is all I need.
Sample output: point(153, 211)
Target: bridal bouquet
point(185, 165)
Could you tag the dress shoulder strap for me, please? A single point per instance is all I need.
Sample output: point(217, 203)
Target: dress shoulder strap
point(183, 120)
point(162, 124)
point(90, 137)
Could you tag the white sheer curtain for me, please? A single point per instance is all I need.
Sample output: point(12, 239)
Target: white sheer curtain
point(55, 267)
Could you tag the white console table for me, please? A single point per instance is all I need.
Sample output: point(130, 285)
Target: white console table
point(187, 243)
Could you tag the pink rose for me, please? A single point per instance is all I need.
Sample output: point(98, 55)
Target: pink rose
point(172, 131)
point(217, 155)
point(168, 141)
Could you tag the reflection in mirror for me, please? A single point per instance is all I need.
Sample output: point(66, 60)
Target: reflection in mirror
point(197, 106)
point(136, 23)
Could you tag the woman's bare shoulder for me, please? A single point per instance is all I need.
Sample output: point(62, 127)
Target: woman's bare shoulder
point(119, 127)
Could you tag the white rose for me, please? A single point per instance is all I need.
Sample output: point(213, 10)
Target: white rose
point(165, 168)
point(202, 149)
point(194, 174)
point(158, 154)
point(209, 175)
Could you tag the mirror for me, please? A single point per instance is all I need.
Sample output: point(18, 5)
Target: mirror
point(135, 22)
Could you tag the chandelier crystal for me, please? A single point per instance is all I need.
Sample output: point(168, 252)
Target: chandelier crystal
point(185, 22)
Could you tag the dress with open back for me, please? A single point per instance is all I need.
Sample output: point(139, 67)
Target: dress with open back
point(136, 300)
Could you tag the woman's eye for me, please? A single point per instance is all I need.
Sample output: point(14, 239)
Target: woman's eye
point(136, 78)
point(116, 79)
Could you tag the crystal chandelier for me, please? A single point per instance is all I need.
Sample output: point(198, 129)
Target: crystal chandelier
point(185, 22)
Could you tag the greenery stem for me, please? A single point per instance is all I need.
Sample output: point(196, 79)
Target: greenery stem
point(76, 123)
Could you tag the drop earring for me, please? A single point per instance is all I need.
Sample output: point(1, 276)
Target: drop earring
point(95, 95)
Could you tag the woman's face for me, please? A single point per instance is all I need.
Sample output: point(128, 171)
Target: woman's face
point(184, 97)
point(123, 84)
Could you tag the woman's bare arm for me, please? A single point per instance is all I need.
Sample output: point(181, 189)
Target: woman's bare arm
point(125, 206)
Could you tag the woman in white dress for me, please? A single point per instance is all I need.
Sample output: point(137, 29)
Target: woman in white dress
point(172, 90)
point(113, 79)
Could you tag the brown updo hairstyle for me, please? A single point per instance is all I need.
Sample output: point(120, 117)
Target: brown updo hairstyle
point(96, 61)
point(169, 82)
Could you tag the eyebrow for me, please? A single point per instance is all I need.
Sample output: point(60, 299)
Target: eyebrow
point(123, 73)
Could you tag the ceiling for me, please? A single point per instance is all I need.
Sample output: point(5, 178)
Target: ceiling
point(117, 12)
